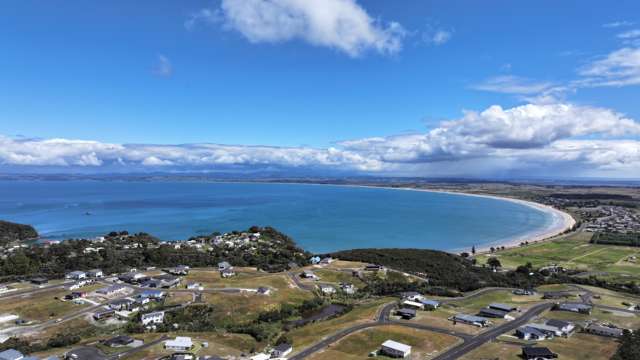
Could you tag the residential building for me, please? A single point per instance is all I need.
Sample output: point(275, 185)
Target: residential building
point(604, 330)
point(180, 343)
point(193, 286)
point(76, 275)
point(537, 353)
point(574, 307)
point(412, 295)
point(375, 268)
point(11, 354)
point(281, 350)
point(493, 313)
point(264, 290)
point(156, 317)
point(406, 313)
point(308, 274)
point(470, 320)
point(119, 341)
point(524, 292)
point(326, 289)
point(554, 295)
point(326, 261)
point(502, 307)
point(224, 265)
point(132, 277)
point(395, 349)
point(103, 314)
point(152, 294)
point(112, 290)
point(413, 305)
point(315, 260)
point(126, 304)
point(39, 280)
point(430, 304)
point(563, 327)
point(227, 273)
point(348, 289)
point(260, 356)
point(179, 270)
point(95, 273)
point(531, 333)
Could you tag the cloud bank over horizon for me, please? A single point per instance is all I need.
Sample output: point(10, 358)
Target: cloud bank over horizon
point(533, 139)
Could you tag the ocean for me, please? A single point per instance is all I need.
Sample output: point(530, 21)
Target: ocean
point(320, 218)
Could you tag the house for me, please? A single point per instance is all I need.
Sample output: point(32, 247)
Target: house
point(470, 320)
point(179, 270)
point(264, 290)
point(281, 350)
point(112, 290)
point(412, 295)
point(502, 307)
point(308, 274)
point(163, 281)
point(193, 285)
point(315, 260)
point(430, 304)
point(132, 277)
point(531, 333)
point(493, 313)
point(574, 307)
point(103, 314)
point(348, 289)
point(39, 280)
point(374, 268)
point(223, 265)
point(95, 273)
point(538, 353)
point(152, 294)
point(563, 327)
point(395, 349)
point(156, 317)
point(554, 295)
point(227, 273)
point(11, 354)
point(122, 304)
point(180, 343)
point(406, 314)
point(119, 341)
point(326, 289)
point(413, 304)
point(76, 275)
point(524, 292)
point(604, 331)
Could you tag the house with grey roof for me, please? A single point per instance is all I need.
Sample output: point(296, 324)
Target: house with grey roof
point(470, 320)
point(604, 331)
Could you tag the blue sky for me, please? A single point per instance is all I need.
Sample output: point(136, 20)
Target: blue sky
point(185, 72)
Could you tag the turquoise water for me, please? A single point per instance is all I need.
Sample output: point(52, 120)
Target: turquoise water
point(319, 217)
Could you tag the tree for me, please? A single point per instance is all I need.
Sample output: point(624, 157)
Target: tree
point(630, 347)
point(473, 250)
point(494, 262)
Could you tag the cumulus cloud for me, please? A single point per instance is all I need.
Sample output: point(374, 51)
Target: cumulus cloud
point(340, 24)
point(574, 139)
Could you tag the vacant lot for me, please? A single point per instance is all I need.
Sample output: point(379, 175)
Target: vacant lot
point(40, 306)
point(425, 344)
point(576, 347)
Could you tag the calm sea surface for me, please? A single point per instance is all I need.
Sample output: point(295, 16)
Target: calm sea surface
point(320, 218)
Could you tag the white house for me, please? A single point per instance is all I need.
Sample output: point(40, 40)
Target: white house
point(95, 273)
point(224, 265)
point(281, 350)
point(76, 275)
point(413, 304)
point(327, 289)
point(308, 274)
point(152, 318)
point(395, 349)
point(260, 356)
point(180, 343)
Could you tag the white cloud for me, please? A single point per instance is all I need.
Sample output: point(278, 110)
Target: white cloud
point(631, 34)
point(509, 84)
point(617, 24)
point(437, 36)
point(340, 24)
point(162, 66)
point(619, 68)
point(545, 138)
point(209, 16)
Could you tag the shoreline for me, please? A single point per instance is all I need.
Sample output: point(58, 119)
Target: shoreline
point(562, 221)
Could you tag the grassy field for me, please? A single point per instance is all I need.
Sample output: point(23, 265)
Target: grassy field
point(210, 278)
point(220, 344)
point(425, 344)
point(336, 277)
point(573, 252)
point(576, 347)
point(309, 334)
point(41, 306)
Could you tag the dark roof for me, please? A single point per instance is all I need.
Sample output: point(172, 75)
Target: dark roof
point(407, 311)
point(530, 330)
point(282, 347)
point(493, 312)
point(119, 340)
point(558, 323)
point(86, 353)
point(538, 352)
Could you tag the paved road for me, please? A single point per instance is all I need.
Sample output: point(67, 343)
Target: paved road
point(30, 291)
point(299, 283)
point(483, 338)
